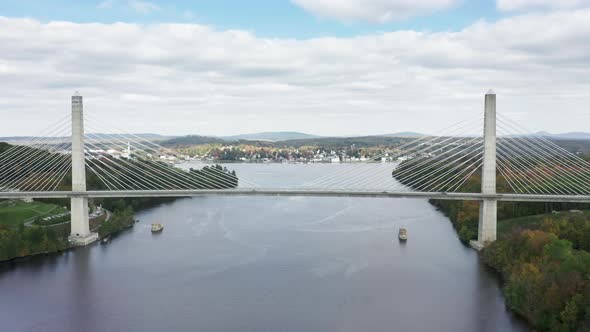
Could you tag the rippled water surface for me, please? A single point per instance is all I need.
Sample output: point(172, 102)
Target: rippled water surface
point(264, 264)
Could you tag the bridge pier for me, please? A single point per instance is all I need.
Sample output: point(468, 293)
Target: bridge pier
point(80, 225)
point(488, 208)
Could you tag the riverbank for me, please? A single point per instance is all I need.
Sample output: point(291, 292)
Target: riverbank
point(24, 227)
point(22, 237)
point(268, 262)
point(545, 264)
point(541, 254)
point(22, 240)
point(542, 259)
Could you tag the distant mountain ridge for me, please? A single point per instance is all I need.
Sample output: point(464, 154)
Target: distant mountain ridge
point(404, 134)
point(148, 136)
point(270, 136)
point(569, 135)
point(96, 136)
point(273, 137)
point(186, 141)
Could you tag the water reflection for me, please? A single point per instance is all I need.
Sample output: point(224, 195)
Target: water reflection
point(82, 290)
point(264, 264)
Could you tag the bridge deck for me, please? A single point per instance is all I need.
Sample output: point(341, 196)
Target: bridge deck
point(297, 192)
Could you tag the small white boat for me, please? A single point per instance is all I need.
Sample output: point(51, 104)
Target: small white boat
point(403, 234)
point(157, 228)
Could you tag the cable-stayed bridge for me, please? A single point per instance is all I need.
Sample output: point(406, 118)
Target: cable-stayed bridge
point(70, 159)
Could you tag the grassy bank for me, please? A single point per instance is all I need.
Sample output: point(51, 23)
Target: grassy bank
point(18, 241)
point(14, 213)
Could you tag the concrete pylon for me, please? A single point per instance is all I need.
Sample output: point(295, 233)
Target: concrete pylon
point(488, 208)
point(80, 228)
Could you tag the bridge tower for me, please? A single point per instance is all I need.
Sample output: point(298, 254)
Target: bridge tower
point(488, 208)
point(80, 228)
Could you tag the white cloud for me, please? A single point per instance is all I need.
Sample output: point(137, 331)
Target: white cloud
point(187, 78)
point(510, 5)
point(372, 10)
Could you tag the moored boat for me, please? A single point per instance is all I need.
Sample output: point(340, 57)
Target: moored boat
point(403, 234)
point(157, 228)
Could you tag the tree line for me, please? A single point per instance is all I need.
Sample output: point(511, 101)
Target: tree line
point(465, 214)
point(547, 280)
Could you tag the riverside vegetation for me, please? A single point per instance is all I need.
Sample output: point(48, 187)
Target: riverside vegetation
point(542, 254)
point(16, 240)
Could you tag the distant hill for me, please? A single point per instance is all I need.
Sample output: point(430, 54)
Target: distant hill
point(18, 139)
point(96, 136)
point(568, 136)
point(335, 142)
point(145, 136)
point(405, 134)
point(580, 146)
point(151, 136)
point(327, 142)
point(186, 141)
point(271, 136)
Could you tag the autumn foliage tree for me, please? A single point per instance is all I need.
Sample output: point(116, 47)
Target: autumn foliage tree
point(547, 280)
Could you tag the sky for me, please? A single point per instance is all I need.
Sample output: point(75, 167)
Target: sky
point(327, 67)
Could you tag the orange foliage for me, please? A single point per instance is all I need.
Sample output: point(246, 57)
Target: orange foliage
point(537, 239)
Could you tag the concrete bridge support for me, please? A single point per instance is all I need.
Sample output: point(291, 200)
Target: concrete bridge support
point(80, 231)
point(488, 208)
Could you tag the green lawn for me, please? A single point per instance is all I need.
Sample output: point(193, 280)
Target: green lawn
point(530, 222)
point(13, 213)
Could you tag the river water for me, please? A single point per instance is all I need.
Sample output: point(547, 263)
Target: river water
point(264, 264)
